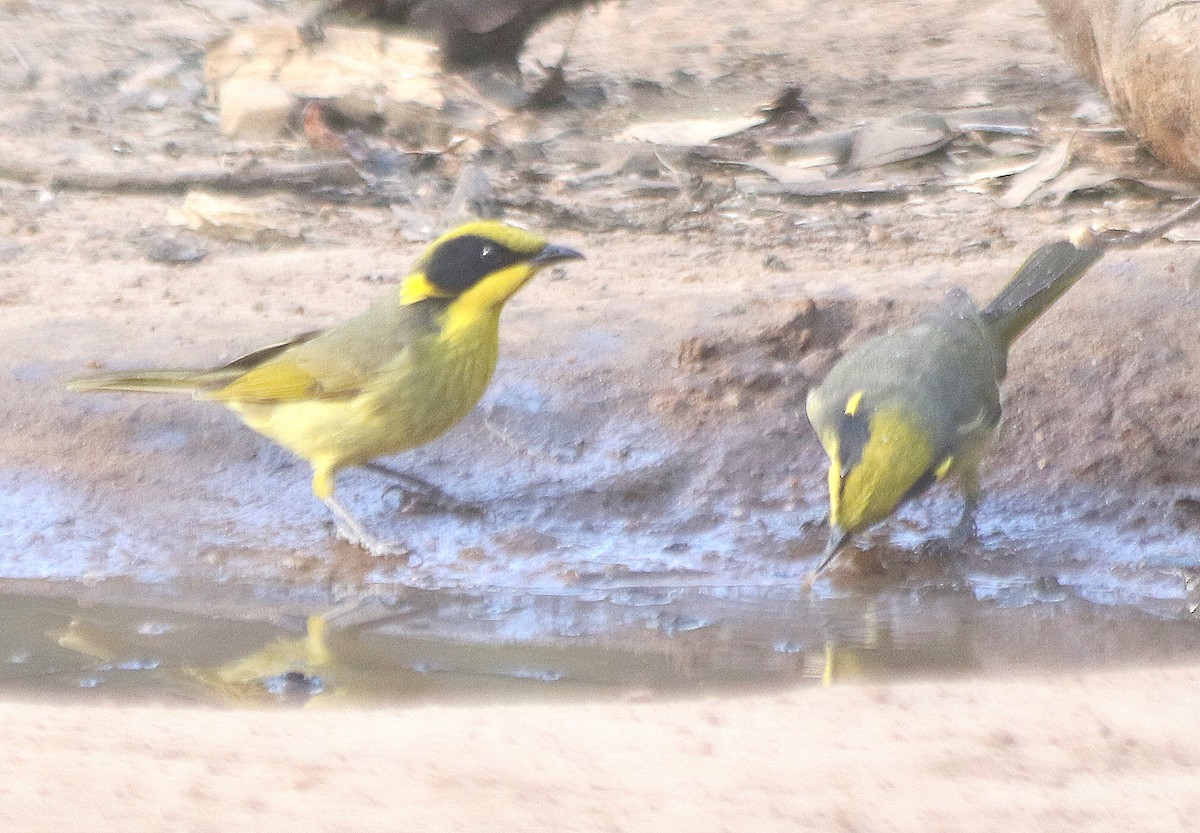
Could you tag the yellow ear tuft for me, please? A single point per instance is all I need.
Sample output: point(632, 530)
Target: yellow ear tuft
point(417, 287)
point(944, 469)
point(853, 402)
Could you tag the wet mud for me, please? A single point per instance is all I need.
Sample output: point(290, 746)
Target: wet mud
point(634, 478)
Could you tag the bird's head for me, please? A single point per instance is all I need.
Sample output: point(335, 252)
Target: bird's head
point(480, 265)
point(879, 457)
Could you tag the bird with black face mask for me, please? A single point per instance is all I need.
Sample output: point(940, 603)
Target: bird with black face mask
point(395, 377)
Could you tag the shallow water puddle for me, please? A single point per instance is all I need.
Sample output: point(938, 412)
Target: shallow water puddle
point(117, 644)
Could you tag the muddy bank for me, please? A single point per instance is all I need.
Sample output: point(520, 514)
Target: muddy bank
point(639, 436)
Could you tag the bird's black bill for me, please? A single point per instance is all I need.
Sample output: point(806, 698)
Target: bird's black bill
point(555, 254)
point(837, 537)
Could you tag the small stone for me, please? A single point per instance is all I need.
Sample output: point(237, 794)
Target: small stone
point(254, 109)
point(170, 248)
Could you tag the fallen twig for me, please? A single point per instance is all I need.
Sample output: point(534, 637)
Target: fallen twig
point(252, 176)
point(1123, 239)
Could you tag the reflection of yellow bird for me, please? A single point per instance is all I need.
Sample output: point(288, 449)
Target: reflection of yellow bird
point(287, 670)
point(905, 410)
point(393, 378)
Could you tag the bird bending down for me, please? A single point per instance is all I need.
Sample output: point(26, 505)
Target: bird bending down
point(907, 409)
point(390, 379)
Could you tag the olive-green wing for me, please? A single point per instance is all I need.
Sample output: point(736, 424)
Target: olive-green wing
point(280, 380)
point(264, 354)
point(336, 364)
point(277, 373)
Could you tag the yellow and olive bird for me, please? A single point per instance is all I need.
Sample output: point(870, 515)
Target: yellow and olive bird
point(905, 410)
point(395, 377)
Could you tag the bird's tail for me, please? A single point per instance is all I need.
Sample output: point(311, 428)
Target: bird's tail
point(145, 381)
point(1041, 280)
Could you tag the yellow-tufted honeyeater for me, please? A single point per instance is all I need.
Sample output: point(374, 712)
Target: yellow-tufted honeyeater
point(907, 409)
point(395, 377)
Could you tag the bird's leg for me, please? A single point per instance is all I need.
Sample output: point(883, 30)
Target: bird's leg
point(347, 525)
point(964, 531)
point(416, 484)
point(423, 494)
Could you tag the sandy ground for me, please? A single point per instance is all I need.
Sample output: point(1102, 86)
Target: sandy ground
point(1097, 752)
point(647, 422)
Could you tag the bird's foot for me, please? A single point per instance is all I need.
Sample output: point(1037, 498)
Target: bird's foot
point(422, 502)
point(417, 495)
point(961, 536)
point(374, 545)
point(349, 529)
point(938, 548)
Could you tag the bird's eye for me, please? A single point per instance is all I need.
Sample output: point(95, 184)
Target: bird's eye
point(486, 252)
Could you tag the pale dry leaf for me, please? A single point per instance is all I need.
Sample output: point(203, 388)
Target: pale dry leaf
point(688, 132)
point(232, 218)
point(1027, 183)
point(886, 141)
